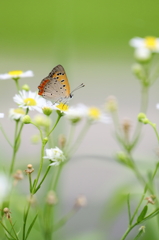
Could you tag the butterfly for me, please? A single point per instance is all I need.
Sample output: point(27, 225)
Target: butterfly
point(56, 86)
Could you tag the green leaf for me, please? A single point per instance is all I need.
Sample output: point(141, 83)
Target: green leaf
point(142, 214)
point(153, 214)
point(7, 232)
point(31, 225)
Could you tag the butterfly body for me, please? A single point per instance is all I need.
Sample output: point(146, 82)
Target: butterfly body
point(56, 86)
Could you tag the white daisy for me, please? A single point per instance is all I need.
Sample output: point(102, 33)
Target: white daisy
point(16, 74)
point(29, 100)
point(94, 114)
point(75, 114)
point(55, 155)
point(16, 114)
point(151, 43)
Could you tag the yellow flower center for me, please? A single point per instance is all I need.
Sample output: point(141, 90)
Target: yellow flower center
point(30, 102)
point(151, 43)
point(19, 111)
point(94, 113)
point(16, 73)
point(63, 107)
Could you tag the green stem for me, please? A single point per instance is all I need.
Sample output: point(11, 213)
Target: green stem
point(14, 149)
point(40, 168)
point(143, 108)
point(127, 231)
point(58, 118)
point(17, 83)
point(48, 169)
point(25, 217)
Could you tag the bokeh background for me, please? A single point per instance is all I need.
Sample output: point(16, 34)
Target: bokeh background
point(91, 40)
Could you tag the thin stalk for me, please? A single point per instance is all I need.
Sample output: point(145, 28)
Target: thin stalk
point(40, 168)
point(127, 231)
point(143, 108)
point(58, 119)
point(48, 169)
point(17, 83)
point(25, 217)
point(14, 149)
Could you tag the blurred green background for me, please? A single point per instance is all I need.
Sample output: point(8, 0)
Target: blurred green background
point(90, 39)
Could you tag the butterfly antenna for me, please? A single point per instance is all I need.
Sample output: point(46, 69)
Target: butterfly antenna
point(80, 86)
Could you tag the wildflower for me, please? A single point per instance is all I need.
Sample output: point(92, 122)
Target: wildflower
point(29, 100)
point(151, 43)
point(142, 54)
point(16, 74)
point(95, 115)
point(61, 107)
point(55, 155)
point(1, 115)
point(16, 114)
point(75, 114)
point(47, 107)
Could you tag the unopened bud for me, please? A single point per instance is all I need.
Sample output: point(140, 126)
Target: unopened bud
point(7, 213)
point(25, 87)
point(26, 119)
point(29, 169)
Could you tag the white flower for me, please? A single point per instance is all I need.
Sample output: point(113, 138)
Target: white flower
point(16, 74)
point(4, 187)
point(55, 155)
point(1, 115)
point(94, 114)
point(142, 54)
point(16, 114)
point(151, 43)
point(75, 114)
point(29, 100)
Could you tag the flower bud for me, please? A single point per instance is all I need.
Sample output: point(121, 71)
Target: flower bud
point(26, 87)
point(29, 169)
point(45, 140)
point(26, 119)
point(47, 111)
